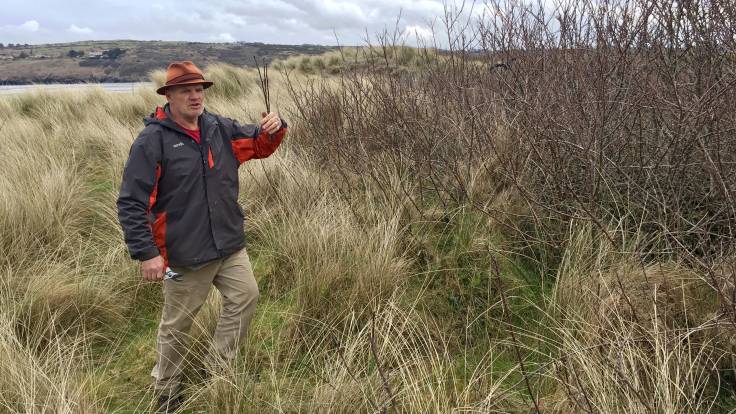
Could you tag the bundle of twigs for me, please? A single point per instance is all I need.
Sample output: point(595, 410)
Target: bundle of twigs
point(263, 77)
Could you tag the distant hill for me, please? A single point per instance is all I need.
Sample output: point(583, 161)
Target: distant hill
point(127, 60)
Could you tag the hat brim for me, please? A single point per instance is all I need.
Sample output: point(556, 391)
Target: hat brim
point(205, 83)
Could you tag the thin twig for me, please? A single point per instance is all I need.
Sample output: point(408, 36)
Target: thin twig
point(267, 100)
point(344, 361)
point(384, 378)
point(263, 77)
point(507, 312)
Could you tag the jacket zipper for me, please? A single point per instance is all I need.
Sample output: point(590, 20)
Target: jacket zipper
point(203, 158)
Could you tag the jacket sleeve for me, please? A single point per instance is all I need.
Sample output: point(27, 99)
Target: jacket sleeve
point(249, 141)
point(138, 194)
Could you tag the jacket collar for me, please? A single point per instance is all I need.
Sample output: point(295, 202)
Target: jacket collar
point(162, 116)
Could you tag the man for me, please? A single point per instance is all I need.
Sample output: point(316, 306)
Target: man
point(178, 207)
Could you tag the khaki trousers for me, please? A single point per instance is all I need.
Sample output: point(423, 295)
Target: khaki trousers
point(183, 297)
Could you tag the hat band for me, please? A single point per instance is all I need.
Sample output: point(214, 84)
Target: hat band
point(185, 77)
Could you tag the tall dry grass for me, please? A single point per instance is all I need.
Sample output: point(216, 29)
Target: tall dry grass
point(398, 362)
point(631, 338)
point(409, 258)
point(392, 56)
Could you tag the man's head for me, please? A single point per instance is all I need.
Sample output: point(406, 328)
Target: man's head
point(184, 89)
point(186, 101)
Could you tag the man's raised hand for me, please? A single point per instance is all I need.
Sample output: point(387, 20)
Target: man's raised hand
point(270, 122)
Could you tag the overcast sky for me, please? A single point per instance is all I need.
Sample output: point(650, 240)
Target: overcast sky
point(268, 21)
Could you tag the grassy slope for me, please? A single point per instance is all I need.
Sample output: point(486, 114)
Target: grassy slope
point(139, 59)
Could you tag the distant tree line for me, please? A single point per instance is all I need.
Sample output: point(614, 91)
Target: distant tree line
point(111, 54)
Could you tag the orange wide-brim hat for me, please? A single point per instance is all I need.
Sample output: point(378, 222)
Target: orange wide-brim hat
point(183, 73)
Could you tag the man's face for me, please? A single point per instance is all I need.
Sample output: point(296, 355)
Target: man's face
point(186, 101)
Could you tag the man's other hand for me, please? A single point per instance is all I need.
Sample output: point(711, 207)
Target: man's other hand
point(153, 269)
point(270, 122)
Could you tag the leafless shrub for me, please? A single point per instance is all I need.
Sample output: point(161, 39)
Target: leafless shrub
point(617, 110)
point(617, 113)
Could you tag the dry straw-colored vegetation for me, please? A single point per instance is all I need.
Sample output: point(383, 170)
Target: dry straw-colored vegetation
point(537, 218)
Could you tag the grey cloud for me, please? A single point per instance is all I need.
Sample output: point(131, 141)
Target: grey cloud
point(276, 21)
